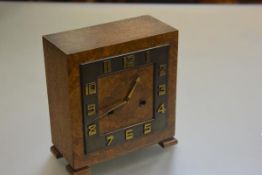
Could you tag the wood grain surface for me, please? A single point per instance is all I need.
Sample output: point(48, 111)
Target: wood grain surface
point(115, 87)
point(63, 54)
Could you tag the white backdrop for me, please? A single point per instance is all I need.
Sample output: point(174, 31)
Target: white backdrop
point(219, 122)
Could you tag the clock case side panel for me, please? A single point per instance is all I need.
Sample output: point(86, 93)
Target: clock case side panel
point(58, 98)
point(81, 160)
point(172, 85)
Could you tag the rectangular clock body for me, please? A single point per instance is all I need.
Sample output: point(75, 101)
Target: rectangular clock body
point(111, 89)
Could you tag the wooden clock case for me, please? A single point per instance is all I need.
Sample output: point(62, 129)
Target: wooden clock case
point(66, 50)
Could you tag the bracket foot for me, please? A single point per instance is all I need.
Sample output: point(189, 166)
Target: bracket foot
point(168, 142)
point(81, 171)
point(55, 152)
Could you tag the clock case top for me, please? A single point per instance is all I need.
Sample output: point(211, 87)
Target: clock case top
point(65, 51)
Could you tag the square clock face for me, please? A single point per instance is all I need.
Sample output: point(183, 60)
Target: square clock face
point(124, 97)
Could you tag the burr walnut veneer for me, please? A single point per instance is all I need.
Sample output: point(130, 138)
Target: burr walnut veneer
point(111, 89)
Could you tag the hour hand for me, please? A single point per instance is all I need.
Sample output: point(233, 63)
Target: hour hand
point(114, 107)
point(110, 110)
point(133, 89)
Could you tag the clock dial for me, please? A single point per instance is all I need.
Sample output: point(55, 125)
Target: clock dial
point(124, 97)
point(115, 88)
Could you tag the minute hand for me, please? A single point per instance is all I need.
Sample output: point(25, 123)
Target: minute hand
point(133, 89)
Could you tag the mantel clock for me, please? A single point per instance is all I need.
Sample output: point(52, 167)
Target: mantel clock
point(111, 89)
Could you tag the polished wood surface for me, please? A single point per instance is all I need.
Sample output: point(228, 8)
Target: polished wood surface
point(168, 142)
point(58, 98)
point(56, 152)
point(81, 171)
point(94, 43)
point(109, 34)
point(115, 87)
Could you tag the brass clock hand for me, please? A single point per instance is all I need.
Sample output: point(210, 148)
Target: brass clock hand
point(114, 107)
point(120, 104)
point(133, 89)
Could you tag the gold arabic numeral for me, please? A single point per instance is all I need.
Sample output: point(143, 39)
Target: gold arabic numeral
point(109, 140)
point(92, 130)
point(91, 109)
point(161, 108)
point(129, 134)
point(162, 89)
point(162, 70)
point(147, 128)
point(91, 88)
point(107, 66)
point(129, 61)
